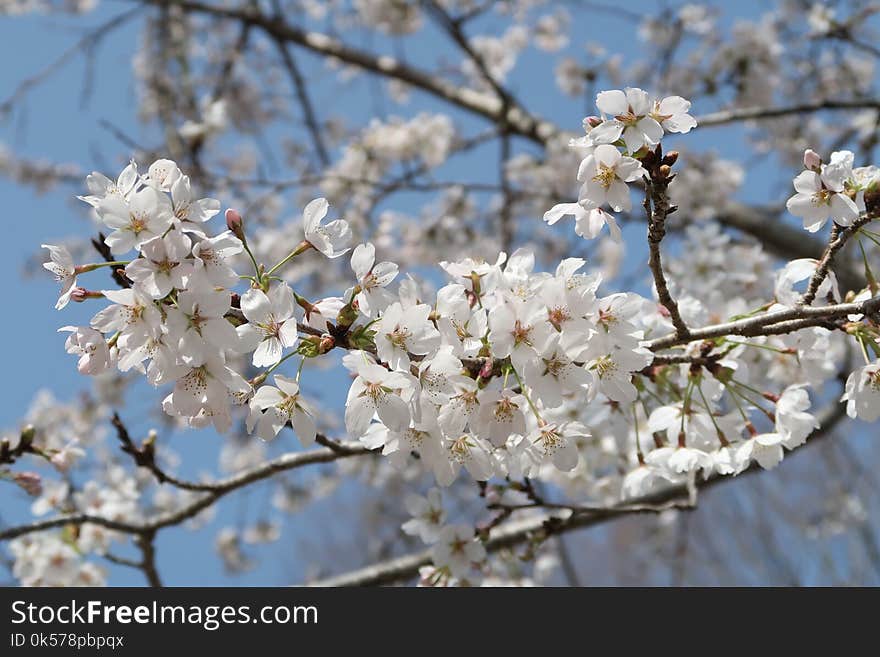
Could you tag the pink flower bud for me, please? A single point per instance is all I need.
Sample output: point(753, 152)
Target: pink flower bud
point(79, 294)
point(235, 223)
point(29, 481)
point(592, 121)
point(812, 159)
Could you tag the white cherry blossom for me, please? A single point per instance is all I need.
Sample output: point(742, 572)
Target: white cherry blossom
point(163, 266)
point(331, 239)
point(605, 174)
point(862, 394)
point(427, 514)
point(400, 332)
point(823, 194)
point(90, 346)
point(144, 215)
point(457, 550)
point(273, 407)
point(376, 390)
point(271, 326)
point(61, 265)
point(587, 223)
point(373, 279)
point(630, 118)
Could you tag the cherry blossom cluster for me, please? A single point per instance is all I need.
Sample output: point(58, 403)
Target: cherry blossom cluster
point(830, 190)
point(631, 124)
point(171, 320)
point(506, 371)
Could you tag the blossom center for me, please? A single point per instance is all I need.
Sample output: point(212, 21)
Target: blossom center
point(137, 223)
point(370, 281)
point(289, 405)
point(555, 367)
point(628, 118)
point(271, 328)
point(522, 334)
point(460, 449)
point(504, 410)
point(375, 391)
point(605, 175)
point(822, 197)
point(605, 366)
point(558, 316)
point(461, 330)
point(196, 381)
point(399, 336)
point(550, 440)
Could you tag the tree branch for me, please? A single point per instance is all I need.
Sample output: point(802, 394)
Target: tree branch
point(214, 491)
point(657, 208)
point(148, 564)
point(490, 107)
point(771, 323)
point(758, 113)
point(790, 242)
point(839, 237)
point(302, 95)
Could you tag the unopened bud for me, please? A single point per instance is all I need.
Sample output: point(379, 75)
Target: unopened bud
point(665, 170)
point(27, 435)
point(670, 158)
point(487, 368)
point(149, 444)
point(30, 482)
point(812, 160)
point(592, 122)
point(235, 223)
point(346, 316)
point(80, 294)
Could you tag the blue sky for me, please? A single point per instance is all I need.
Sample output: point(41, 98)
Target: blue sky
point(53, 123)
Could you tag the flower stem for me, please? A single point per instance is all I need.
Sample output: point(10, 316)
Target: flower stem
point(302, 248)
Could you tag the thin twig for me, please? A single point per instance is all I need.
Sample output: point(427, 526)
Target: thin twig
point(214, 492)
point(302, 95)
point(767, 323)
point(144, 541)
point(657, 208)
point(839, 237)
